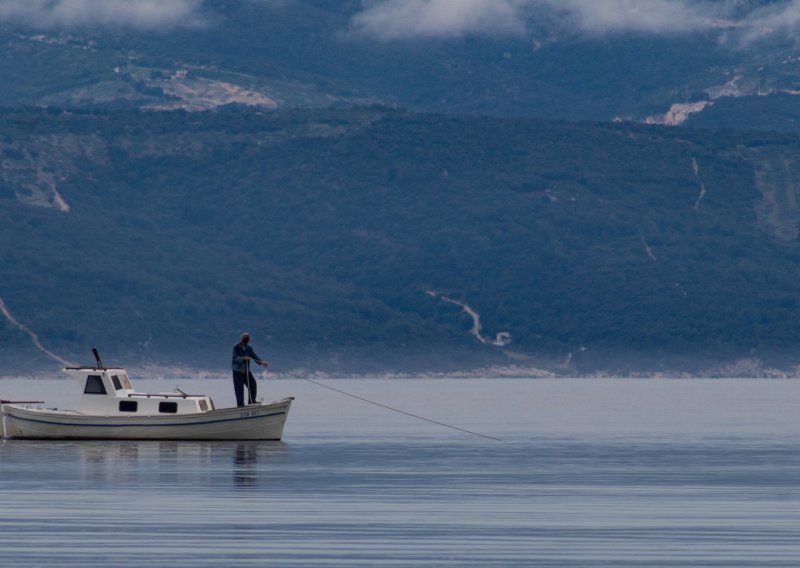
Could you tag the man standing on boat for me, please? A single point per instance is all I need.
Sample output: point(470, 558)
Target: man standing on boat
point(242, 354)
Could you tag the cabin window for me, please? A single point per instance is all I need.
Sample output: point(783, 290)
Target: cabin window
point(117, 383)
point(128, 405)
point(125, 382)
point(94, 385)
point(203, 405)
point(169, 407)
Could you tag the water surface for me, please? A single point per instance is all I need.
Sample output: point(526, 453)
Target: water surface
point(588, 473)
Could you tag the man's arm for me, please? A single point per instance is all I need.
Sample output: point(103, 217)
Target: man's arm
point(258, 359)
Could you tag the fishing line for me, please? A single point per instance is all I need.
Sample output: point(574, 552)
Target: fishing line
point(402, 411)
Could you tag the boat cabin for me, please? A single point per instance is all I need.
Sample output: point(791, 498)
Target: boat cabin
point(108, 391)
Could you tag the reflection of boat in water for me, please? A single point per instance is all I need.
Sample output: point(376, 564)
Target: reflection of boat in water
point(111, 409)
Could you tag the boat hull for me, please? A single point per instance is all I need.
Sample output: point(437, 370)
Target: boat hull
point(254, 422)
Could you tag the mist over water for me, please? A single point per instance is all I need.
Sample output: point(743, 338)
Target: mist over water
point(588, 473)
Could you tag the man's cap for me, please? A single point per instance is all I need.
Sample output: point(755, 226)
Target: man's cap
point(245, 334)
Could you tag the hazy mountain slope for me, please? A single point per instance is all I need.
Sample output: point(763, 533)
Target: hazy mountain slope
point(322, 232)
point(312, 53)
point(779, 112)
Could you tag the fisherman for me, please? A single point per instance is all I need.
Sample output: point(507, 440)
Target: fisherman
point(242, 354)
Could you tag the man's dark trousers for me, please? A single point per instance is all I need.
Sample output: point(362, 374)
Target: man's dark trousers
point(239, 382)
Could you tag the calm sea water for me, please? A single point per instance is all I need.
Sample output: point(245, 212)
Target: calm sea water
point(587, 473)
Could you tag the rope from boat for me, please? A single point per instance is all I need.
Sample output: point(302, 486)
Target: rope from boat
point(402, 411)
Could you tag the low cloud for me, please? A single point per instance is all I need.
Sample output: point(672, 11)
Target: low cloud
point(741, 19)
point(777, 18)
point(138, 14)
point(651, 16)
point(400, 19)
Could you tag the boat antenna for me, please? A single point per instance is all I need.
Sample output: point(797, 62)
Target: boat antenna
point(97, 358)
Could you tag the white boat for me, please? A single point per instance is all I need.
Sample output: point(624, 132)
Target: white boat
point(111, 409)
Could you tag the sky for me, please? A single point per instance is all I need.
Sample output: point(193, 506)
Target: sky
point(391, 20)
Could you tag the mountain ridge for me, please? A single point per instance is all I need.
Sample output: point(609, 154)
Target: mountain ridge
point(614, 248)
point(311, 54)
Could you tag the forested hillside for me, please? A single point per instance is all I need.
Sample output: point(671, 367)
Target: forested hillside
point(158, 237)
point(547, 59)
